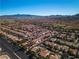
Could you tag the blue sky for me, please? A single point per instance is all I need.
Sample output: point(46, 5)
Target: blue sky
point(39, 7)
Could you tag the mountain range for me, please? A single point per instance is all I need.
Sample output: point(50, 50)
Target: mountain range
point(37, 17)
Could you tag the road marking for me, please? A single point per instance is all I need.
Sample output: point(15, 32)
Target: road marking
point(16, 55)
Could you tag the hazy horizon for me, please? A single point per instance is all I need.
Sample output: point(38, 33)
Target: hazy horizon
point(42, 15)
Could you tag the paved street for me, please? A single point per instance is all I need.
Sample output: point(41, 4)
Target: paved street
point(7, 47)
